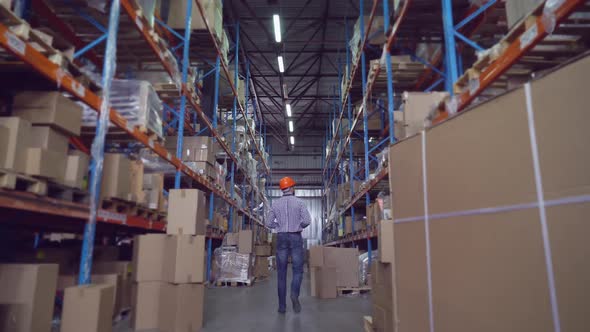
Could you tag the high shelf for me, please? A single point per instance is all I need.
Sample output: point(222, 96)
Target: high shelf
point(14, 38)
point(521, 43)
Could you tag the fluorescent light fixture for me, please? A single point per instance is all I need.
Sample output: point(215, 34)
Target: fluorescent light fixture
point(288, 110)
point(291, 126)
point(277, 24)
point(281, 65)
point(292, 138)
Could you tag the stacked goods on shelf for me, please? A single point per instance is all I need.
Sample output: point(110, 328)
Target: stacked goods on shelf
point(505, 188)
point(225, 87)
point(234, 259)
point(416, 109)
point(343, 194)
point(212, 12)
point(374, 116)
point(137, 102)
point(198, 153)
point(187, 212)
point(116, 182)
point(261, 266)
point(27, 295)
point(332, 268)
point(168, 275)
point(376, 34)
point(38, 134)
point(153, 192)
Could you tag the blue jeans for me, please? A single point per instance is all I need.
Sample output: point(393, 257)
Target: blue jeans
point(289, 244)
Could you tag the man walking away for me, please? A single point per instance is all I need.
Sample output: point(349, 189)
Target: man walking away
point(289, 216)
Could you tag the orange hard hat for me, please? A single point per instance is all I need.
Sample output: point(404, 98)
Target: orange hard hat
point(286, 182)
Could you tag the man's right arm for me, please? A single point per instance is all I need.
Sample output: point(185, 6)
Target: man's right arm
point(270, 219)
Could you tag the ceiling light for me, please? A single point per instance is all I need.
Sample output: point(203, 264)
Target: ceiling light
point(281, 65)
point(289, 110)
point(292, 138)
point(277, 24)
point(291, 126)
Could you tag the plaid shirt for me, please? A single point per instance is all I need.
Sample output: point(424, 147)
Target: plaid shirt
point(288, 214)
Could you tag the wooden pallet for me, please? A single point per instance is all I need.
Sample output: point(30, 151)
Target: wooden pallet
point(227, 283)
point(16, 181)
point(368, 323)
point(117, 205)
point(65, 193)
point(353, 290)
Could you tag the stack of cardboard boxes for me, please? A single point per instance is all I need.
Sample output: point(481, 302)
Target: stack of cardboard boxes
point(261, 266)
point(332, 268)
point(37, 138)
point(198, 153)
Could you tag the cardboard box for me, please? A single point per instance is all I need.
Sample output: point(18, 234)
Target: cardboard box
point(245, 241)
point(184, 259)
point(115, 176)
point(76, 169)
point(187, 212)
point(230, 239)
point(146, 297)
point(50, 109)
point(67, 259)
point(345, 261)
point(46, 164)
point(262, 250)
point(213, 8)
point(312, 281)
point(48, 138)
point(325, 279)
point(316, 256)
point(148, 257)
point(88, 308)
point(348, 225)
point(27, 294)
point(417, 106)
point(261, 267)
point(194, 148)
point(136, 181)
point(15, 143)
point(386, 241)
point(115, 280)
point(181, 307)
point(500, 257)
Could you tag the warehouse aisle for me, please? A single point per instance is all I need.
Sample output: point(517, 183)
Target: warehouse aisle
point(255, 309)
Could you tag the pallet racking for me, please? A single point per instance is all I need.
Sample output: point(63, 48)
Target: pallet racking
point(20, 46)
point(520, 41)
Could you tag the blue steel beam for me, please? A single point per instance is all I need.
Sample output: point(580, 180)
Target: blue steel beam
point(185, 64)
point(450, 46)
point(98, 146)
point(234, 112)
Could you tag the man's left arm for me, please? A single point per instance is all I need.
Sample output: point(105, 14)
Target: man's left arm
point(305, 216)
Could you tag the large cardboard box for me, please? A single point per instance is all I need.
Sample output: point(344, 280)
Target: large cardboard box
point(187, 212)
point(316, 256)
point(50, 109)
point(262, 250)
point(345, 261)
point(88, 308)
point(194, 148)
point(500, 256)
point(417, 106)
point(76, 169)
point(382, 296)
point(212, 8)
point(27, 293)
point(312, 281)
point(184, 259)
point(122, 268)
point(348, 225)
point(116, 181)
point(181, 307)
point(46, 163)
point(115, 280)
point(261, 267)
point(230, 239)
point(16, 143)
point(146, 297)
point(325, 279)
point(386, 242)
point(48, 138)
point(148, 257)
point(245, 241)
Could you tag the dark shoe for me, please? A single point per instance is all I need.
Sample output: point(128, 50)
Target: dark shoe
point(282, 311)
point(296, 305)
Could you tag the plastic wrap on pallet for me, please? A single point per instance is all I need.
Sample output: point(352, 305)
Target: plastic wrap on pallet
point(231, 265)
point(148, 8)
point(364, 269)
point(136, 101)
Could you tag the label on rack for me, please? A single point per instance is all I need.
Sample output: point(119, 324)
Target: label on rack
point(527, 38)
point(79, 89)
point(473, 85)
point(151, 143)
point(15, 43)
point(168, 156)
point(108, 215)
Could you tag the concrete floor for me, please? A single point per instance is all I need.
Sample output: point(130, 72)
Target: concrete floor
point(254, 308)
